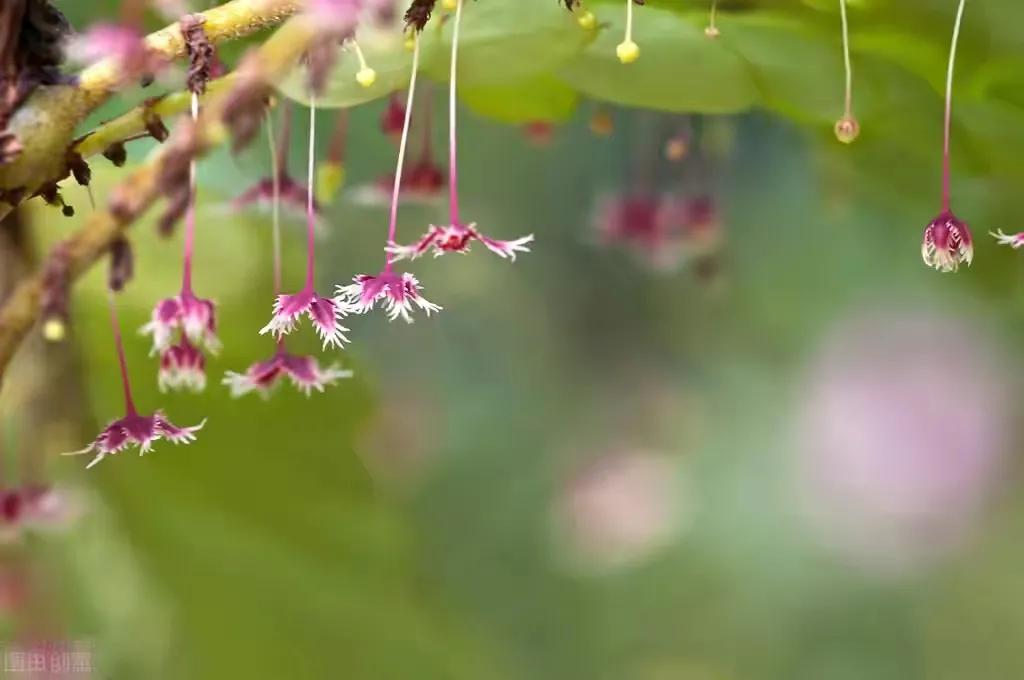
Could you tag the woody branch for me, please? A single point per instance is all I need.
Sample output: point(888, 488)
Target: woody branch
point(142, 186)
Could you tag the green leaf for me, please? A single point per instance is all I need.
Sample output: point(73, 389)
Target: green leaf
point(505, 41)
point(385, 52)
point(499, 44)
point(543, 98)
point(679, 68)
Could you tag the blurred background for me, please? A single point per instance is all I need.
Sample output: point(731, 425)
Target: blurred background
point(721, 424)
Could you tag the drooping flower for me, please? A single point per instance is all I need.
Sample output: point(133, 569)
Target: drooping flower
point(847, 128)
point(260, 196)
point(134, 429)
point(304, 372)
point(194, 317)
point(323, 313)
point(456, 235)
point(33, 507)
point(456, 238)
point(1015, 241)
point(396, 293)
point(182, 365)
point(289, 308)
point(292, 195)
point(947, 241)
point(422, 184)
point(137, 430)
point(664, 230)
point(392, 118)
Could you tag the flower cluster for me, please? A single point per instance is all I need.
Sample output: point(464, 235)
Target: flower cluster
point(183, 327)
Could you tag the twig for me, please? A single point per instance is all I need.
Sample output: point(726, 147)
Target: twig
point(46, 122)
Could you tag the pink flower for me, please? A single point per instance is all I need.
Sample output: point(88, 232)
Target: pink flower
point(393, 118)
point(133, 428)
point(396, 292)
point(664, 231)
point(261, 196)
point(182, 366)
point(32, 507)
point(456, 238)
point(336, 16)
point(539, 132)
point(422, 183)
point(124, 44)
point(195, 317)
point(947, 243)
point(137, 430)
point(620, 509)
point(322, 312)
point(304, 372)
point(903, 437)
point(947, 240)
point(1015, 241)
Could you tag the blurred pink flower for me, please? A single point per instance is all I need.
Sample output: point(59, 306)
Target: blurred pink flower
point(261, 196)
point(1015, 241)
point(122, 43)
point(662, 230)
point(902, 435)
point(34, 507)
point(621, 508)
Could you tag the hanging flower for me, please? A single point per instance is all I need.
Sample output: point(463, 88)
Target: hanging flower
point(194, 317)
point(1015, 241)
point(305, 374)
point(322, 312)
point(290, 308)
point(260, 195)
point(947, 243)
point(137, 430)
point(182, 365)
point(134, 429)
point(455, 236)
point(397, 294)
